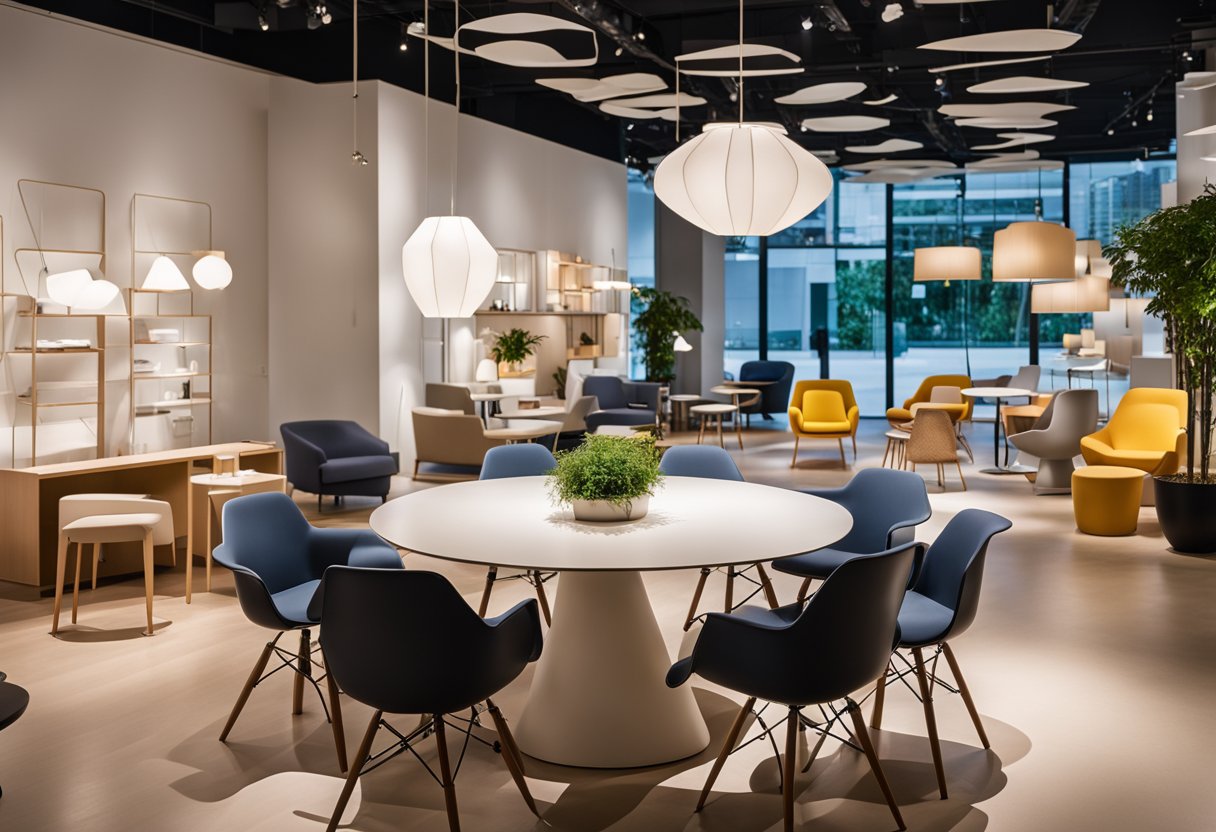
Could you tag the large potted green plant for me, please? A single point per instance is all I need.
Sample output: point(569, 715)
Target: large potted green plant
point(513, 347)
point(1170, 255)
point(659, 317)
point(607, 478)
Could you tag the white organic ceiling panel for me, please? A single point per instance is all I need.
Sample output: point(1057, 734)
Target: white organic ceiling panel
point(1202, 131)
point(880, 164)
point(1012, 40)
point(723, 61)
point(878, 102)
point(937, 70)
point(1015, 166)
point(889, 146)
point(614, 109)
point(1024, 83)
point(1012, 109)
point(823, 93)
point(995, 123)
point(844, 124)
point(998, 159)
point(661, 101)
point(527, 53)
point(599, 89)
point(1015, 140)
point(899, 176)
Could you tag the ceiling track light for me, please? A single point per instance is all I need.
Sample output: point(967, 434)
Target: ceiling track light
point(404, 45)
point(263, 20)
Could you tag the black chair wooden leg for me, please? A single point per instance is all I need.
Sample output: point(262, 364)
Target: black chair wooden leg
point(445, 774)
point(304, 660)
point(491, 577)
point(926, 695)
point(542, 598)
point(511, 755)
point(361, 755)
point(788, 769)
point(728, 745)
point(335, 711)
point(880, 695)
point(696, 599)
point(863, 738)
point(966, 694)
point(250, 683)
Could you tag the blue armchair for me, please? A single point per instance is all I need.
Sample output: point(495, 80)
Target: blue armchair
point(278, 560)
point(621, 402)
point(774, 398)
point(338, 458)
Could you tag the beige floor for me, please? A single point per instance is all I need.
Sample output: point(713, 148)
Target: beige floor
point(1093, 661)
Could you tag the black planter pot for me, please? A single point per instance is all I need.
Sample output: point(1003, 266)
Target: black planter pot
point(1187, 512)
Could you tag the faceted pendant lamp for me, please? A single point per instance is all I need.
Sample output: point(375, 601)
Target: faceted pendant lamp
point(1032, 251)
point(212, 271)
point(742, 180)
point(945, 263)
point(449, 266)
point(165, 276)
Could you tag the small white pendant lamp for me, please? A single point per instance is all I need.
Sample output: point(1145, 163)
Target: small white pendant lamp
point(742, 179)
point(212, 270)
point(449, 266)
point(165, 276)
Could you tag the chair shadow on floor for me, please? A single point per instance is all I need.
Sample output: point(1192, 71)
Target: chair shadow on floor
point(837, 794)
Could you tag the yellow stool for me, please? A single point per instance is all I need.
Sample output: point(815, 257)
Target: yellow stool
point(1106, 499)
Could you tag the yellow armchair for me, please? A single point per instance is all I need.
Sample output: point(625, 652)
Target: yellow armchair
point(824, 409)
point(1147, 431)
point(901, 415)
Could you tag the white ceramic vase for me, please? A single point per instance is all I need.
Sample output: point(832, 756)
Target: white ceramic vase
point(602, 511)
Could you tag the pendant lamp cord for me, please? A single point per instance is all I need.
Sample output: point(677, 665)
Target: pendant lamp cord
point(426, 106)
point(34, 231)
point(356, 158)
point(740, 62)
point(456, 126)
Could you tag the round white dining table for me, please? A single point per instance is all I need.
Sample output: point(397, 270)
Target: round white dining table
point(599, 697)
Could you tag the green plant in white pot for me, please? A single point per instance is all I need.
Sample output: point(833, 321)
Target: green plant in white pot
point(607, 478)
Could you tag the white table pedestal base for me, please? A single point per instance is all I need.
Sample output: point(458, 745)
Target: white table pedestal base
point(598, 699)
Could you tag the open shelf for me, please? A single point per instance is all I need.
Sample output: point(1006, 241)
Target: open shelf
point(44, 351)
point(172, 343)
point(161, 376)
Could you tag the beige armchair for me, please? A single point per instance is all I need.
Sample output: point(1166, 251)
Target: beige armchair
point(449, 437)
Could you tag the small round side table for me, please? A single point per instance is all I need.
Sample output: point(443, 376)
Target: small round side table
point(712, 416)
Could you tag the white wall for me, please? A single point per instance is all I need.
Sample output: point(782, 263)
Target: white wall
point(1195, 109)
point(89, 107)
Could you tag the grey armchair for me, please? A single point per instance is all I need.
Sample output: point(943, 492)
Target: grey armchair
point(621, 402)
point(1056, 438)
point(338, 458)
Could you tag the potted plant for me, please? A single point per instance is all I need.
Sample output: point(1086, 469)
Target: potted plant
point(659, 317)
point(607, 478)
point(1170, 255)
point(513, 347)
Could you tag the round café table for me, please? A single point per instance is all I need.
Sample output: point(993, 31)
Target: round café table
point(999, 393)
point(598, 697)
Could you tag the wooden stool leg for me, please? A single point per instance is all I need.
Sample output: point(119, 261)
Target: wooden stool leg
point(76, 583)
point(739, 428)
point(696, 599)
point(886, 453)
point(96, 561)
point(701, 430)
point(148, 578)
point(61, 565)
point(721, 438)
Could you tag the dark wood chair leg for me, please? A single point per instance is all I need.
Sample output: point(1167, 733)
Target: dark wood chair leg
point(788, 769)
point(810, 761)
point(304, 664)
point(802, 590)
point(728, 745)
point(863, 737)
point(696, 599)
point(511, 755)
point(335, 711)
point(491, 577)
point(542, 598)
point(445, 773)
point(730, 589)
point(365, 748)
point(926, 695)
point(880, 695)
point(250, 683)
point(966, 694)
point(769, 593)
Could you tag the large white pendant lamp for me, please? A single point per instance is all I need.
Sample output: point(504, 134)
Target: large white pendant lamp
point(1034, 251)
point(742, 179)
point(76, 289)
point(449, 266)
point(164, 276)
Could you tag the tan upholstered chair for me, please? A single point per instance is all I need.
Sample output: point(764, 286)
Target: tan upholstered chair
point(450, 397)
point(449, 437)
point(934, 442)
point(898, 415)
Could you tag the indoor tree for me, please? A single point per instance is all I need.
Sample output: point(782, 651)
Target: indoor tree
point(658, 317)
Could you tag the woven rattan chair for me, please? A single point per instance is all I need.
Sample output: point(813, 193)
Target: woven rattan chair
point(934, 442)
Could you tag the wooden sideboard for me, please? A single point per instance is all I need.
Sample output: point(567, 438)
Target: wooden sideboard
point(29, 502)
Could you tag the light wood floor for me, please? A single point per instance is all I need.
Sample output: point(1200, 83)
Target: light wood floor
point(1093, 662)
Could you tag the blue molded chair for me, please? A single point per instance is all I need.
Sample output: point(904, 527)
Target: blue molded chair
point(521, 460)
point(774, 398)
point(814, 655)
point(621, 402)
point(714, 463)
point(940, 606)
point(278, 559)
point(886, 505)
point(334, 457)
point(407, 643)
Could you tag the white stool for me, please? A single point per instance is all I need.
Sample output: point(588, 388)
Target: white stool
point(98, 519)
point(714, 413)
point(897, 444)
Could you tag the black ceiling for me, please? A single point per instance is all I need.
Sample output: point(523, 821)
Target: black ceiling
point(1131, 52)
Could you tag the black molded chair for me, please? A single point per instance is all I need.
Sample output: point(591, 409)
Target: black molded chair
point(940, 606)
point(714, 463)
point(407, 643)
point(814, 655)
point(886, 506)
point(278, 559)
point(523, 460)
point(775, 397)
point(13, 702)
point(337, 457)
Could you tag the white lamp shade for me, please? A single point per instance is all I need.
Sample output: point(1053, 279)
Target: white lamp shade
point(1026, 251)
point(165, 276)
point(63, 288)
point(487, 370)
point(97, 295)
point(449, 267)
point(212, 271)
point(945, 263)
point(1085, 294)
point(742, 180)
point(681, 345)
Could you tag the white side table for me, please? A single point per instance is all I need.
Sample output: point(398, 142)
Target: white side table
point(999, 393)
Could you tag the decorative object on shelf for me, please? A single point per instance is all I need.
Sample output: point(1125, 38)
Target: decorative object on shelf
point(487, 371)
point(513, 347)
point(448, 264)
point(164, 335)
point(1034, 250)
point(657, 315)
point(1168, 255)
point(212, 271)
point(165, 276)
point(741, 179)
point(607, 478)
